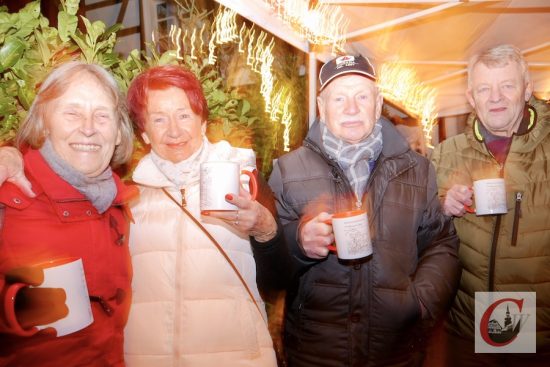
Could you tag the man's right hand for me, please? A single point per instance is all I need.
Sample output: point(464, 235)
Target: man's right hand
point(456, 200)
point(316, 235)
point(11, 169)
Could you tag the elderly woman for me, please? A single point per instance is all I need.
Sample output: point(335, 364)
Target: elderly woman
point(193, 303)
point(192, 306)
point(76, 128)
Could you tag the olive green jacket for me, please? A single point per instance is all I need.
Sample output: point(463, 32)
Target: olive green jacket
point(521, 260)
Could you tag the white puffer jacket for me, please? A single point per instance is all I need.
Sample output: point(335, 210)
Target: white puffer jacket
point(188, 307)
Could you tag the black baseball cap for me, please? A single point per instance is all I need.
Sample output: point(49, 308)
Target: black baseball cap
point(347, 64)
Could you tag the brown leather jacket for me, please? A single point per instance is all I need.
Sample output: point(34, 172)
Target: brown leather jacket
point(375, 312)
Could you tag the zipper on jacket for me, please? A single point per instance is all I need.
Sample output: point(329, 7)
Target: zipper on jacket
point(338, 175)
point(183, 201)
point(517, 215)
point(492, 258)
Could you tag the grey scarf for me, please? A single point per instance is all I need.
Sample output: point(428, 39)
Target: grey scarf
point(354, 158)
point(100, 190)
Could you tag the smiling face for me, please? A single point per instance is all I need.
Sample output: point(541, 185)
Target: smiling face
point(498, 95)
point(82, 125)
point(350, 106)
point(171, 127)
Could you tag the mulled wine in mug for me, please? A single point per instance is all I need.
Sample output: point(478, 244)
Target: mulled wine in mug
point(221, 178)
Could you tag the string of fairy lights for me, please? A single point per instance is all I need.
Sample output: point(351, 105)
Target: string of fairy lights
point(320, 24)
point(400, 85)
point(258, 47)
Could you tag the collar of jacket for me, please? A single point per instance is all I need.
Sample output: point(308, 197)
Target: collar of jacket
point(527, 124)
point(521, 143)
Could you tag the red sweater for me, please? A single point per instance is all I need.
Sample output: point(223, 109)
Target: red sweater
point(60, 222)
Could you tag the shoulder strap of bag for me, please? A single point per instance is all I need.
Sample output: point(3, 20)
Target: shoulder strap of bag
point(219, 247)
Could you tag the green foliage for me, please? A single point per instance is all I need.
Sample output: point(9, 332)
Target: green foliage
point(30, 48)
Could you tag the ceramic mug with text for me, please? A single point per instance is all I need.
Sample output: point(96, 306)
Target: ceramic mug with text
point(489, 197)
point(351, 235)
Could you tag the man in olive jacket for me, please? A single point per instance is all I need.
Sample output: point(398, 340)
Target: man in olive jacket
point(373, 311)
point(508, 136)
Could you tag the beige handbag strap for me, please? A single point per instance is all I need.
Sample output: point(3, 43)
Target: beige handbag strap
point(219, 247)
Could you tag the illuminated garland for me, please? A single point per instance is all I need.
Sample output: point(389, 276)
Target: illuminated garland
point(320, 24)
point(259, 58)
point(400, 85)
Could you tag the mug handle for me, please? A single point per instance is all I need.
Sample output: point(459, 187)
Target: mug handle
point(252, 184)
point(9, 311)
point(331, 248)
point(469, 208)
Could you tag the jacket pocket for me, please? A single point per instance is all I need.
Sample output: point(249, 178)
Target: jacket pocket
point(395, 309)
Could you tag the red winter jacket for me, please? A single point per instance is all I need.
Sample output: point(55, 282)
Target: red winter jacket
point(60, 222)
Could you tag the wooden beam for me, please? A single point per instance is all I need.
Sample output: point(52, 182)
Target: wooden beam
point(400, 20)
point(128, 31)
point(101, 4)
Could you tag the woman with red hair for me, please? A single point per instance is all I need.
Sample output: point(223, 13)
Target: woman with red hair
point(191, 305)
point(195, 297)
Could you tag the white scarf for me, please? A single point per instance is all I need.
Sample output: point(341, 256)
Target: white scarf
point(186, 172)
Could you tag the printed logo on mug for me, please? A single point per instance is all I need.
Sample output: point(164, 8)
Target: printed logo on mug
point(351, 234)
point(219, 179)
point(60, 276)
point(490, 196)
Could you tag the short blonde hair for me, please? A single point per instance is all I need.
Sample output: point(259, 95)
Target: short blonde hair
point(499, 56)
point(32, 130)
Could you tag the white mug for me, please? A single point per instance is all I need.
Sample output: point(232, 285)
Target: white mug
point(68, 275)
point(219, 179)
point(490, 196)
point(351, 235)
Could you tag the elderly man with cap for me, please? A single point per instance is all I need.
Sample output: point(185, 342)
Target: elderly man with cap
point(376, 310)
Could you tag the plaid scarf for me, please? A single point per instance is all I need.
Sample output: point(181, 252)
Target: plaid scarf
point(354, 159)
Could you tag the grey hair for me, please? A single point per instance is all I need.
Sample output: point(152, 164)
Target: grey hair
point(31, 132)
point(499, 56)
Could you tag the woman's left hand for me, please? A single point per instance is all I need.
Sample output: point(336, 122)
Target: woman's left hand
point(251, 217)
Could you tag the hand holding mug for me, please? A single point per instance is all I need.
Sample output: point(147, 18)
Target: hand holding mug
point(53, 295)
point(316, 235)
point(23, 306)
point(251, 217)
point(457, 200)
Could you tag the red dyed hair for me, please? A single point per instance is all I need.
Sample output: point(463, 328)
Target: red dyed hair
point(164, 77)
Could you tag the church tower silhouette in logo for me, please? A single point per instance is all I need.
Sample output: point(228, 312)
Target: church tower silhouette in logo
point(501, 334)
